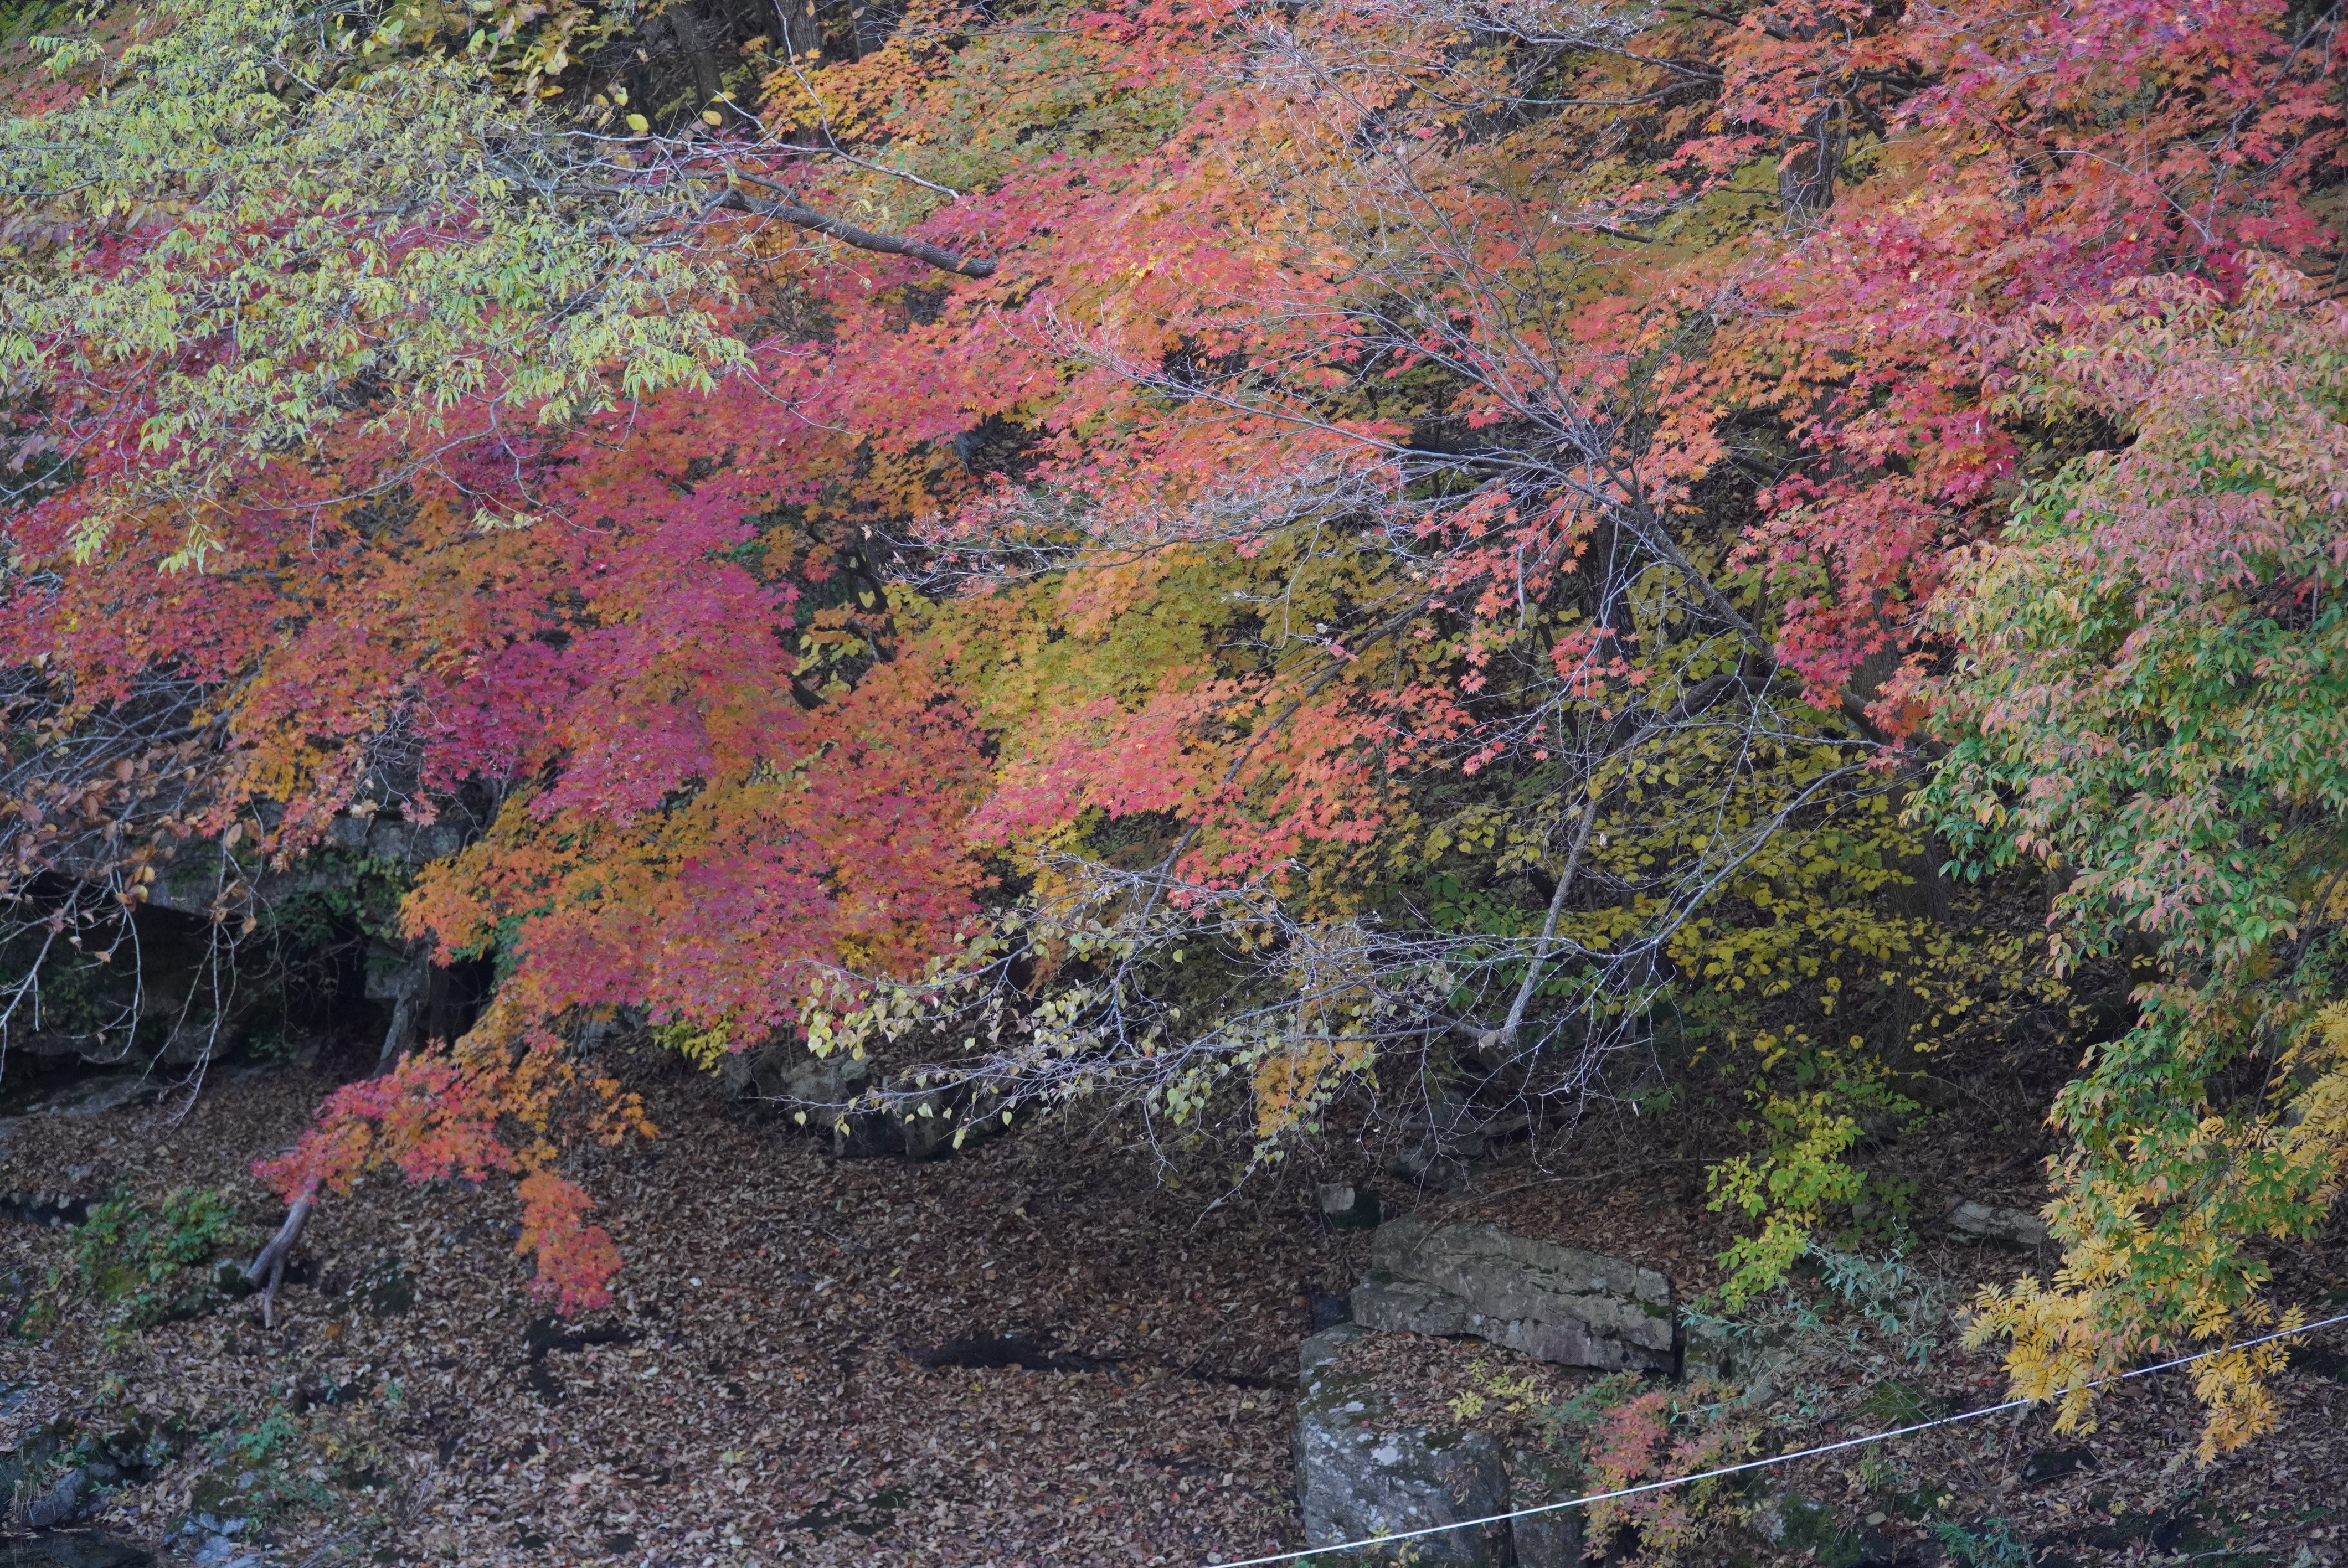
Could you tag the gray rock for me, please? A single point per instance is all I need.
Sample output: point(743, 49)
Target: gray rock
point(1551, 1540)
point(1315, 1354)
point(1555, 1303)
point(788, 1071)
point(46, 1209)
point(390, 838)
point(60, 1502)
point(395, 972)
point(222, 1549)
point(835, 1097)
point(1449, 1138)
point(1736, 1354)
point(927, 1126)
point(93, 1097)
point(1354, 1482)
point(1706, 1351)
point(1405, 1305)
point(191, 881)
point(23, 1467)
point(1348, 1207)
point(1426, 1165)
point(1979, 1224)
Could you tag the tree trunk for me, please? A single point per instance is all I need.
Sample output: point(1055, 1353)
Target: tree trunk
point(692, 43)
point(800, 32)
point(410, 996)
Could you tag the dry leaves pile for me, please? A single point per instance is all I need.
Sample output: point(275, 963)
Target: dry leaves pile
point(758, 1394)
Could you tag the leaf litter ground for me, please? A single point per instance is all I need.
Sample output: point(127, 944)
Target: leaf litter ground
point(1033, 1352)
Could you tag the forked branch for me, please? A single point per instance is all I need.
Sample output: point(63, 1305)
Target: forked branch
point(270, 1264)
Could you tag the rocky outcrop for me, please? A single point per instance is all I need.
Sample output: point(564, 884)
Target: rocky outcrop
point(1448, 1137)
point(788, 1074)
point(1358, 1475)
point(61, 1504)
point(1361, 1472)
point(52, 1210)
point(39, 1490)
point(1756, 1360)
point(1557, 1303)
point(168, 983)
point(195, 878)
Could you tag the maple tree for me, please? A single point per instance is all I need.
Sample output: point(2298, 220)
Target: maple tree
point(1230, 557)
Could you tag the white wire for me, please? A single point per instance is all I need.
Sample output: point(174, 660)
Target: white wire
point(1764, 1463)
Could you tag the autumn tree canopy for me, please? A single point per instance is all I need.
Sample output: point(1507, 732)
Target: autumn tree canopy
point(1238, 560)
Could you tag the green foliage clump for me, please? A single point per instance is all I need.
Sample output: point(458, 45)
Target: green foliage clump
point(139, 1257)
point(286, 1460)
point(1992, 1545)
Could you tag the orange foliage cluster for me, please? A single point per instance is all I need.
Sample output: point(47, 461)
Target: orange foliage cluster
point(469, 1111)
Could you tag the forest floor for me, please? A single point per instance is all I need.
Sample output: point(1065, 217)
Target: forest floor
point(779, 1379)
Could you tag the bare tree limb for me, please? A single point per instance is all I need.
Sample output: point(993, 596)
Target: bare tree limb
point(1549, 926)
point(862, 238)
point(272, 1259)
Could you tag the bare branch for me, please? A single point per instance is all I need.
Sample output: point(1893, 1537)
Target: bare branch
point(271, 1262)
point(862, 238)
point(1549, 926)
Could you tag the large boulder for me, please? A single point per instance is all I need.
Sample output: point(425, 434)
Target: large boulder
point(1556, 1303)
point(1356, 1477)
point(62, 1504)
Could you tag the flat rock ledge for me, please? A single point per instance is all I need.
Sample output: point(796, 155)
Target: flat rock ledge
point(1556, 1303)
point(1361, 1473)
point(1358, 1476)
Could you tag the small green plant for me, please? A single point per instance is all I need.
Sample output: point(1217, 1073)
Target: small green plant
point(1489, 1390)
point(286, 1458)
point(1992, 1545)
point(1892, 1403)
point(1815, 1530)
point(39, 1316)
point(1565, 1427)
point(255, 1469)
point(1882, 1214)
point(139, 1256)
point(1880, 1292)
point(1801, 1342)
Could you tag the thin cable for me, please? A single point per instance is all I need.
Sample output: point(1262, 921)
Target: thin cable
point(1772, 1460)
